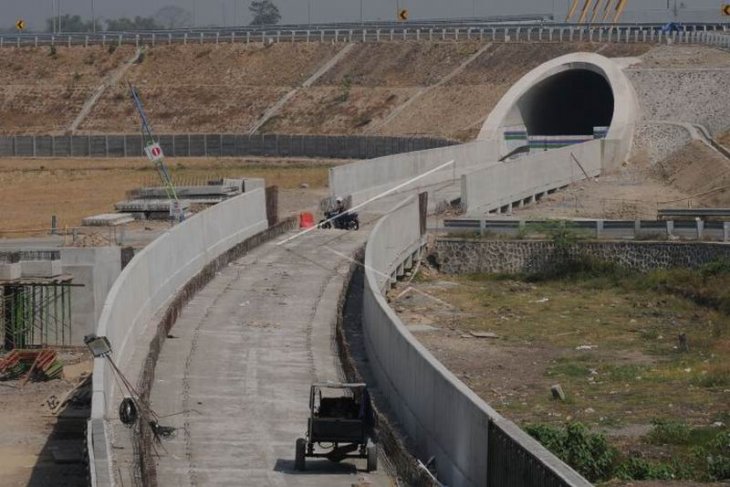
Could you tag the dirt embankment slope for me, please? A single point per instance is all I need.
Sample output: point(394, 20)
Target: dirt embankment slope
point(42, 91)
point(225, 88)
point(208, 88)
point(359, 94)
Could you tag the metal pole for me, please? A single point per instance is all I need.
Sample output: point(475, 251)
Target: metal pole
point(361, 17)
point(309, 12)
point(93, 18)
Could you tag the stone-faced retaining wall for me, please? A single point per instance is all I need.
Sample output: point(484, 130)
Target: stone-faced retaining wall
point(463, 256)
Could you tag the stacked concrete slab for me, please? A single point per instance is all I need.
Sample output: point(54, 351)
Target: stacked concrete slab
point(153, 203)
point(107, 220)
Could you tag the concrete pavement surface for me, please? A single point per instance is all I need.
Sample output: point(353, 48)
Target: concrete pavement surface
point(233, 376)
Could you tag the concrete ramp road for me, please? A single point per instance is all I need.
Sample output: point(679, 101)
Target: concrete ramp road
point(234, 375)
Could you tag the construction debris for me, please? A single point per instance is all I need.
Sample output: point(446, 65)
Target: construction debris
point(35, 365)
point(483, 334)
point(78, 396)
point(557, 392)
point(107, 220)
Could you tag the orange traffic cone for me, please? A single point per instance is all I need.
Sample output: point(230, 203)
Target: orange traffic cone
point(306, 220)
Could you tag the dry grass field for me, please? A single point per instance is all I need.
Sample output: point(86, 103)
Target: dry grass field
point(31, 190)
point(610, 340)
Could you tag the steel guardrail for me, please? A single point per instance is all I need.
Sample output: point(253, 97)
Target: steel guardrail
point(527, 30)
point(695, 229)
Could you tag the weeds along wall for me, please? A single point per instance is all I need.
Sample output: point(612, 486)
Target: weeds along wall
point(143, 290)
point(441, 416)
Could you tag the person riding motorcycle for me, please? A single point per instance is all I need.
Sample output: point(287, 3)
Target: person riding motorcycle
point(340, 218)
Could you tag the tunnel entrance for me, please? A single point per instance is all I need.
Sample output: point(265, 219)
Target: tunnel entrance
point(571, 102)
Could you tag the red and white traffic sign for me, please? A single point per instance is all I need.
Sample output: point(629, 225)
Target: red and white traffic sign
point(154, 152)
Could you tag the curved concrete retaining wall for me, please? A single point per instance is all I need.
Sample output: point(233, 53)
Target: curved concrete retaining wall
point(365, 179)
point(150, 282)
point(472, 444)
point(514, 182)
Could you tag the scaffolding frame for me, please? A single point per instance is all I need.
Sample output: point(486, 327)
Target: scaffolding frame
point(36, 312)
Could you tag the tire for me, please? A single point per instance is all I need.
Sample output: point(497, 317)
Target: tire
point(372, 457)
point(299, 461)
point(325, 224)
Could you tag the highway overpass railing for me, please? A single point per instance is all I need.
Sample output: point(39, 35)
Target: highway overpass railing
point(710, 34)
point(471, 443)
point(593, 228)
point(216, 145)
point(148, 284)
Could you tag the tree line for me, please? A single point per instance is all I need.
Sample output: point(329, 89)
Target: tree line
point(263, 12)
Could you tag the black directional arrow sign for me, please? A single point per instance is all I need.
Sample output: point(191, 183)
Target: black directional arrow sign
point(726, 9)
point(20, 24)
point(403, 14)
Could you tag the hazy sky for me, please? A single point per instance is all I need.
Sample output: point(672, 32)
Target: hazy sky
point(221, 12)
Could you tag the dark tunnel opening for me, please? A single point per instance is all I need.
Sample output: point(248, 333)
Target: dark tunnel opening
point(572, 102)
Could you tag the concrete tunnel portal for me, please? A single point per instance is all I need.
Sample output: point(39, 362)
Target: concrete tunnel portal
point(581, 96)
point(571, 102)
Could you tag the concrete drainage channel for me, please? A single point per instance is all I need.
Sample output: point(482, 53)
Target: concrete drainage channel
point(353, 357)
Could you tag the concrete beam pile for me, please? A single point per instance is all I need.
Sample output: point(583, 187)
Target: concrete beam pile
point(107, 220)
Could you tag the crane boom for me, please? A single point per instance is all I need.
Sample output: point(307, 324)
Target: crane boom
point(149, 140)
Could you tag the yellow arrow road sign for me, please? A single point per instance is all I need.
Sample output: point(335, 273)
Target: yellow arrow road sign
point(403, 14)
point(20, 24)
point(726, 9)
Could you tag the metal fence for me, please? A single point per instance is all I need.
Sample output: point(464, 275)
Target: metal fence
point(711, 34)
point(603, 229)
point(216, 145)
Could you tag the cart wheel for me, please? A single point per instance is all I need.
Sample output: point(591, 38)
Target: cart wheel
point(372, 455)
point(299, 458)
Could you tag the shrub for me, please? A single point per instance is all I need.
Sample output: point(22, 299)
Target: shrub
point(640, 469)
point(717, 455)
point(588, 453)
point(669, 433)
